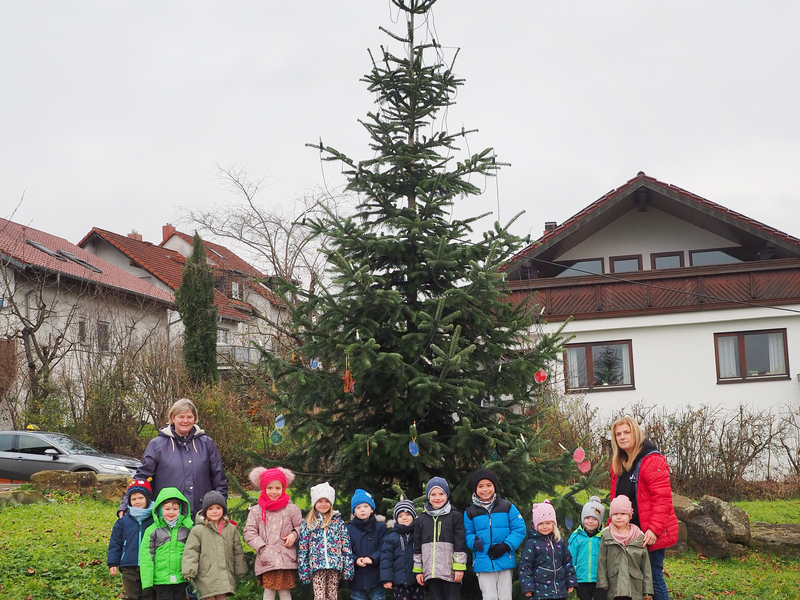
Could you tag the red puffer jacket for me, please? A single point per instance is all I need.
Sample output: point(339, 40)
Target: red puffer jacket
point(654, 500)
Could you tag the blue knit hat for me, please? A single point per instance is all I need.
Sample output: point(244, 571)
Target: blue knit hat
point(405, 506)
point(361, 497)
point(435, 482)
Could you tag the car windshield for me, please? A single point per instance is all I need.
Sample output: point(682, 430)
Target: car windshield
point(71, 445)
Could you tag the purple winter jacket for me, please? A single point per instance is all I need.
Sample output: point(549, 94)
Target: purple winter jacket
point(192, 464)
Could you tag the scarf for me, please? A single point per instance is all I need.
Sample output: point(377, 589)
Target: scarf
point(484, 504)
point(625, 538)
point(173, 522)
point(364, 524)
point(140, 514)
point(437, 512)
point(267, 504)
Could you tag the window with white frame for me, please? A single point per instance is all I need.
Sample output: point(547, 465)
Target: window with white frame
point(222, 336)
point(235, 294)
point(751, 355)
point(599, 366)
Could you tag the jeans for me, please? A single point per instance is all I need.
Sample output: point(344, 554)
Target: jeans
point(660, 591)
point(375, 593)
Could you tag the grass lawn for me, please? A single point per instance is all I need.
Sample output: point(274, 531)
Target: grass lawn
point(773, 511)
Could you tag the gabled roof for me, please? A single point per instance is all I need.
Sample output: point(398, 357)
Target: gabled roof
point(667, 198)
point(50, 253)
point(164, 264)
point(227, 260)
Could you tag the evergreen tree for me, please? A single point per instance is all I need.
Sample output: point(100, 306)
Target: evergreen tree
point(417, 313)
point(195, 299)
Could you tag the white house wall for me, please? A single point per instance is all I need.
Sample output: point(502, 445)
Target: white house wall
point(643, 233)
point(674, 362)
point(112, 254)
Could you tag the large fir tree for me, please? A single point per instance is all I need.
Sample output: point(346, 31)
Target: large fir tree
point(418, 312)
point(195, 299)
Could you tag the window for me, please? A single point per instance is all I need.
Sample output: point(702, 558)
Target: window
point(666, 260)
point(6, 442)
point(103, 336)
point(235, 290)
point(576, 268)
point(82, 331)
point(222, 336)
point(625, 264)
point(722, 256)
point(751, 355)
point(30, 444)
point(599, 366)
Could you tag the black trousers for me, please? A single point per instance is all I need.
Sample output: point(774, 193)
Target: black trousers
point(590, 591)
point(443, 590)
point(170, 592)
point(132, 584)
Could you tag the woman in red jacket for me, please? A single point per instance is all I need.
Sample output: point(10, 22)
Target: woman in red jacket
point(640, 472)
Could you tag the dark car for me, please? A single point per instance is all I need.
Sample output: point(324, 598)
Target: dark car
point(23, 453)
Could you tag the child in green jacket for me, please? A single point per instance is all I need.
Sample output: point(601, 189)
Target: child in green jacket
point(161, 550)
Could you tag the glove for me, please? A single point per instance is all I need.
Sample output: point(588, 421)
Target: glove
point(477, 545)
point(497, 550)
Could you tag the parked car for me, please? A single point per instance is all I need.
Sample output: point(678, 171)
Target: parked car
point(23, 453)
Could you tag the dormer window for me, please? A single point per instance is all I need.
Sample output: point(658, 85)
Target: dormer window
point(235, 294)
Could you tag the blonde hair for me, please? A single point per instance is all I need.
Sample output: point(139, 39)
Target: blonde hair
point(311, 519)
point(556, 530)
point(181, 406)
point(621, 461)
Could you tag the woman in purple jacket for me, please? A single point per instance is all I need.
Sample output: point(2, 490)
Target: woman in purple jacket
point(183, 456)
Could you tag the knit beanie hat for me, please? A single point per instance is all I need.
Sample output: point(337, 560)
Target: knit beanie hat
point(593, 508)
point(405, 506)
point(435, 482)
point(543, 512)
point(261, 477)
point(479, 476)
point(210, 499)
point(140, 486)
point(322, 490)
point(361, 497)
point(621, 504)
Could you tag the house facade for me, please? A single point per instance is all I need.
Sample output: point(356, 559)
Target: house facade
point(247, 310)
point(674, 301)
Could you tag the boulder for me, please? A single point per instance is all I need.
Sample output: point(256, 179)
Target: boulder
point(16, 497)
point(105, 487)
point(112, 487)
point(781, 539)
point(733, 520)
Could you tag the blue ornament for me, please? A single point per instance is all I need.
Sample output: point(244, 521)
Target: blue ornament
point(413, 448)
point(568, 523)
point(314, 363)
point(280, 422)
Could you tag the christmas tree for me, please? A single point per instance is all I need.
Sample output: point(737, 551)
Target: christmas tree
point(413, 362)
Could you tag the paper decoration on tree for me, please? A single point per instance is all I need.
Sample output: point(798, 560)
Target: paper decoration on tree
point(493, 455)
point(579, 454)
point(413, 448)
point(540, 376)
point(568, 522)
point(349, 382)
point(455, 417)
point(585, 466)
point(275, 437)
point(314, 363)
point(280, 422)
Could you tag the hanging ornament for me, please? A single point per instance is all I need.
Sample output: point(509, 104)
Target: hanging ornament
point(540, 376)
point(274, 388)
point(578, 455)
point(455, 417)
point(413, 448)
point(358, 336)
point(493, 455)
point(585, 466)
point(349, 382)
point(314, 363)
point(275, 437)
point(568, 522)
point(292, 361)
point(280, 422)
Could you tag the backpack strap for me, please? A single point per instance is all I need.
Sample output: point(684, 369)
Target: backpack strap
point(634, 478)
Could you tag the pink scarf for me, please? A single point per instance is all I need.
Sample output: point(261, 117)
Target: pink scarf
point(267, 504)
point(623, 537)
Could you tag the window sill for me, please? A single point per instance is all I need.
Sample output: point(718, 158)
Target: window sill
point(754, 379)
point(601, 388)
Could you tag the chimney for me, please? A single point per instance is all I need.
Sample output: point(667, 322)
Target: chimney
point(167, 231)
point(549, 226)
point(135, 236)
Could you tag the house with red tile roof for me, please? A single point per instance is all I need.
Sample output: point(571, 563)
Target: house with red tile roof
point(674, 300)
point(247, 309)
point(59, 302)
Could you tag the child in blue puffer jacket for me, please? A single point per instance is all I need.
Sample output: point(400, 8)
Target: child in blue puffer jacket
point(126, 536)
point(494, 528)
point(584, 545)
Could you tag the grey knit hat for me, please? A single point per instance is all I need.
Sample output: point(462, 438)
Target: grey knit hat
point(593, 508)
point(405, 506)
point(214, 497)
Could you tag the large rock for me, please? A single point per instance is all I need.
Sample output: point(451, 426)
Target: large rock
point(777, 539)
point(733, 520)
point(105, 487)
point(16, 497)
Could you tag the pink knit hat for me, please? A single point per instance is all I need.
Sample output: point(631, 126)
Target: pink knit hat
point(543, 512)
point(621, 504)
point(261, 477)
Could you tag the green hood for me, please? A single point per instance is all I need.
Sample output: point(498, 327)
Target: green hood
point(169, 493)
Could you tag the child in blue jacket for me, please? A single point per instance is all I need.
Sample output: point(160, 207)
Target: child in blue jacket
point(126, 536)
point(494, 528)
point(584, 545)
point(366, 535)
point(397, 555)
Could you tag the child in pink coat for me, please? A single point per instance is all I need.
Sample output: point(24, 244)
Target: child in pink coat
point(272, 529)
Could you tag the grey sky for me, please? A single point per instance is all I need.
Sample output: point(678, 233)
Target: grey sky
point(114, 113)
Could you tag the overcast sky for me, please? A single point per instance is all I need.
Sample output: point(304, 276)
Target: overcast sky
point(114, 114)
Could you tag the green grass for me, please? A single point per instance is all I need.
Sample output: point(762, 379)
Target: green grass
point(773, 511)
